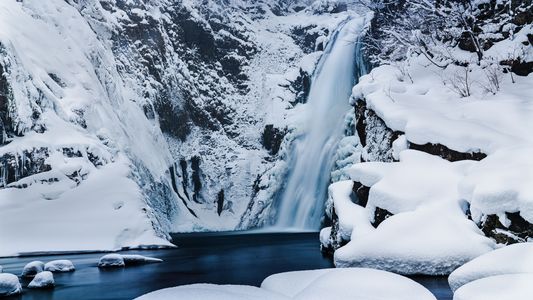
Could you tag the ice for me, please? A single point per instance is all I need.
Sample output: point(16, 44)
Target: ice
point(340, 284)
point(32, 268)
point(58, 266)
point(512, 259)
point(510, 286)
point(111, 261)
point(42, 280)
point(135, 259)
point(9, 285)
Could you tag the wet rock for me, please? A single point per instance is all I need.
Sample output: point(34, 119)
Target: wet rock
point(272, 138)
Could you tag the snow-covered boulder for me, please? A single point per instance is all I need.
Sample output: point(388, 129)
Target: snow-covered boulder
point(135, 259)
point(510, 286)
point(213, 292)
point(350, 283)
point(428, 231)
point(339, 284)
point(62, 265)
point(42, 280)
point(122, 260)
point(32, 268)
point(9, 285)
point(513, 259)
point(111, 261)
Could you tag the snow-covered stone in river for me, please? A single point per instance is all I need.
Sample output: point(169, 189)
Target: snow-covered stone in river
point(62, 265)
point(32, 268)
point(349, 283)
point(513, 259)
point(135, 259)
point(111, 261)
point(42, 280)
point(510, 286)
point(9, 285)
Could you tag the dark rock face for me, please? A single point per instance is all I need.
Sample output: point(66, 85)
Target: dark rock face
point(306, 37)
point(380, 215)
point(6, 124)
point(518, 231)
point(447, 153)
point(14, 166)
point(272, 138)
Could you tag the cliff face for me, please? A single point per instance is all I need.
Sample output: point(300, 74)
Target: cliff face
point(175, 111)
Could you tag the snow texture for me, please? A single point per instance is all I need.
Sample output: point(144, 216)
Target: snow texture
point(42, 280)
point(58, 266)
point(135, 259)
point(512, 259)
point(9, 285)
point(111, 261)
point(32, 268)
point(510, 286)
point(314, 284)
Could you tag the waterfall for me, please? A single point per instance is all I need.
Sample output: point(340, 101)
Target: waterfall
point(302, 201)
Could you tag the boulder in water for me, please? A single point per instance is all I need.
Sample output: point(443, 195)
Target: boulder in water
point(9, 285)
point(33, 268)
point(111, 261)
point(58, 266)
point(42, 280)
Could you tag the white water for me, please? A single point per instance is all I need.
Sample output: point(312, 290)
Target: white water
point(302, 201)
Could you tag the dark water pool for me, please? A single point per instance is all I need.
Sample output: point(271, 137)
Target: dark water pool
point(207, 257)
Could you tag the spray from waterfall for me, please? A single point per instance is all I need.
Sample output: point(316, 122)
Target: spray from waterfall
point(302, 201)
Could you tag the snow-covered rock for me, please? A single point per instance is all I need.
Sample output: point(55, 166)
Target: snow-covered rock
point(346, 284)
point(42, 280)
point(341, 284)
point(213, 292)
point(414, 194)
point(62, 265)
point(111, 261)
point(510, 286)
point(122, 260)
point(9, 285)
point(512, 259)
point(32, 268)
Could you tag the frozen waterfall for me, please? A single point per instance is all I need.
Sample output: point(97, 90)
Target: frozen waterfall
point(301, 203)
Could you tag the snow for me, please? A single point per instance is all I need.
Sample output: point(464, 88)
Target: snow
point(510, 286)
point(32, 268)
point(91, 110)
point(212, 292)
point(111, 261)
point(313, 284)
point(415, 194)
point(512, 259)
point(42, 280)
point(121, 260)
point(58, 266)
point(353, 283)
point(9, 285)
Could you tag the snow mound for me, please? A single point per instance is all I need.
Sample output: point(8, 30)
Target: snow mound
point(62, 265)
point(111, 261)
point(346, 284)
point(513, 259)
point(32, 268)
point(302, 285)
point(122, 260)
point(415, 193)
point(213, 292)
point(135, 259)
point(9, 285)
point(42, 280)
point(510, 286)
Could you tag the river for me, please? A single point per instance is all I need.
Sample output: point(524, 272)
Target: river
point(222, 258)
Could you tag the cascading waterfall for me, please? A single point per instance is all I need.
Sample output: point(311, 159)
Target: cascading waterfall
point(301, 203)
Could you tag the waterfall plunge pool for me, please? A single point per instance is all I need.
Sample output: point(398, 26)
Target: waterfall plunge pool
point(221, 258)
